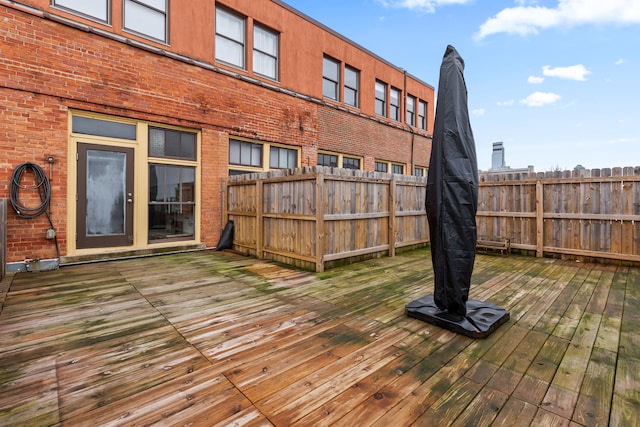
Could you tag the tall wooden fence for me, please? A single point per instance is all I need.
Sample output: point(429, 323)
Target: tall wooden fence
point(311, 216)
point(581, 213)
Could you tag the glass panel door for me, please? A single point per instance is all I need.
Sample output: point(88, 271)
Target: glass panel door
point(105, 196)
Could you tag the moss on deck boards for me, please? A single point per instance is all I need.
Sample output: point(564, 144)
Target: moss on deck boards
point(216, 338)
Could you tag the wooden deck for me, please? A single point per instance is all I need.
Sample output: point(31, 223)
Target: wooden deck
point(212, 338)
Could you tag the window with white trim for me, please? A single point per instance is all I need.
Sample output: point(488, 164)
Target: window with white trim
point(422, 115)
point(230, 38)
point(265, 52)
point(394, 104)
point(351, 86)
point(95, 9)
point(147, 18)
point(330, 78)
point(381, 98)
point(411, 111)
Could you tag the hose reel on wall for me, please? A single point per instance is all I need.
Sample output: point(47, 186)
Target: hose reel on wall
point(42, 185)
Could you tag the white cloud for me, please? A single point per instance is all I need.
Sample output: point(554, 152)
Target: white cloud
point(539, 99)
point(478, 112)
point(621, 61)
point(505, 103)
point(535, 80)
point(421, 5)
point(574, 72)
point(527, 20)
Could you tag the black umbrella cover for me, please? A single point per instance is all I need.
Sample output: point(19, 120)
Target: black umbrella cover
point(452, 190)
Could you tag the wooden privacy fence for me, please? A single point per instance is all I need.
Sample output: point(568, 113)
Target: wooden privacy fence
point(581, 213)
point(311, 216)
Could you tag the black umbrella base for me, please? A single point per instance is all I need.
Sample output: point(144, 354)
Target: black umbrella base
point(482, 317)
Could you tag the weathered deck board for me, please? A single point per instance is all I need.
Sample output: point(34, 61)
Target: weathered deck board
point(213, 338)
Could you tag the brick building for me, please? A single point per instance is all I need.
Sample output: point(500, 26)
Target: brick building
point(138, 110)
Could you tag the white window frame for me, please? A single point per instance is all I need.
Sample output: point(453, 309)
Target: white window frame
point(262, 55)
point(85, 8)
point(134, 23)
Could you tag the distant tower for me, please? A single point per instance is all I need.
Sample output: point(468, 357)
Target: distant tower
point(497, 158)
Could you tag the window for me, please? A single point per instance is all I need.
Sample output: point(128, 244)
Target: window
point(381, 99)
point(173, 144)
point(396, 168)
point(265, 52)
point(330, 78)
point(350, 163)
point(245, 153)
point(146, 17)
point(422, 115)
point(394, 104)
point(411, 111)
point(418, 171)
point(351, 86)
point(172, 196)
point(97, 9)
point(107, 128)
point(382, 167)
point(230, 38)
point(283, 158)
point(171, 202)
point(325, 159)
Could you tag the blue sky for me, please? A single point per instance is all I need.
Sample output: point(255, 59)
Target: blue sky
point(558, 81)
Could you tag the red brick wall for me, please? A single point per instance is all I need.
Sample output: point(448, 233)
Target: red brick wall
point(47, 68)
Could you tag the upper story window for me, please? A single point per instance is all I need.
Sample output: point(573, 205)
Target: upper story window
point(411, 111)
point(146, 17)
point(351, 86)
point(265, 52)
point(96, 9)
point(381, 98)
point(325, 159)
point(330, 78)
point(394, 104)
point(230, 38)
point(283, 158)
point(422, 115)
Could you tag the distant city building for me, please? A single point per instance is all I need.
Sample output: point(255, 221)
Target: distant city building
point(498, 164)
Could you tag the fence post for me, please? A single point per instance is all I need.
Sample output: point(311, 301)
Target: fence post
point(539, 219)
point(259, 219)
point(320, 244)
point(392, 217)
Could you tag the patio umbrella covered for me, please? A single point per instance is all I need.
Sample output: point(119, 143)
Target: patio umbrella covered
point(452, 189)
point(451, 204)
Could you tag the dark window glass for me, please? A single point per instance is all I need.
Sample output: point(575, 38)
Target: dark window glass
point(411, 111)
point(394, 104)
point(350, 163)
point(172, 144)
point(328, 160)
point(351, 86)
point(97, 127)
point(381, 166)
point(171, 202)
point(422, 115)
point(399, 169)
point(330, 78)
point(283, 158)
point(245, 153)
point(381, 99)
point(418, 171)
